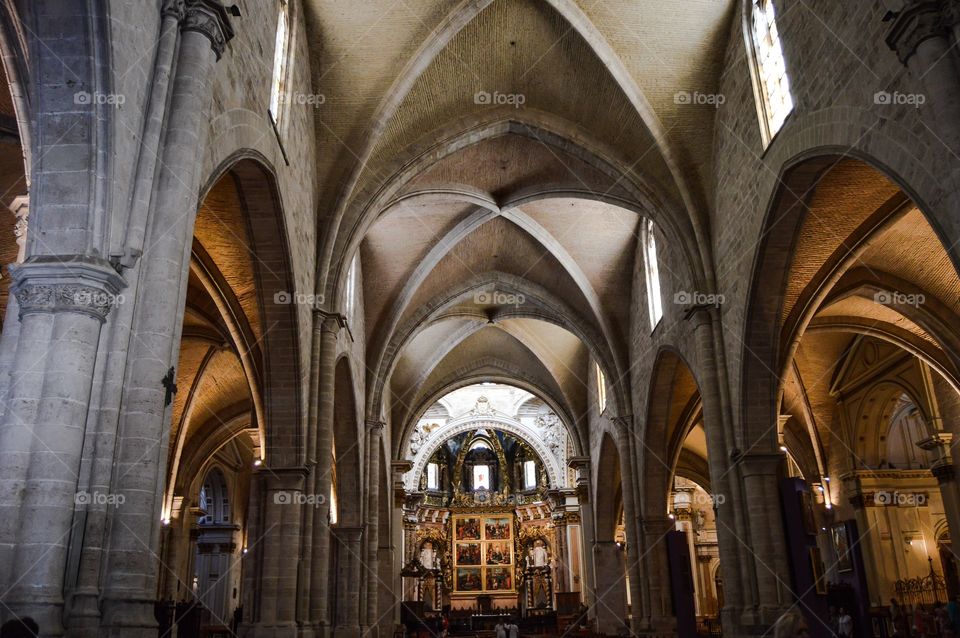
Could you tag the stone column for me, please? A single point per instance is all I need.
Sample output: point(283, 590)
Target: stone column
point(144, 421)
point(374, 436)
point(582, 466)
point(561, 551)
point(737, 572)
point(63, 302)
point(611, 591)
point(349, 562)
point(853, 492)
point(329, 326)
point(659, 617)
point(631, 518)
point(768, 545)
point(921, 37)
point(275, 549)
point(945, 473)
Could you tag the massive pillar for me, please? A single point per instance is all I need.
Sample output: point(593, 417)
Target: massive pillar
point(349, 564)
point(760, 472)
point(283, 501)
point(63, 303)
point(659, 619)
point(738, 588)
point(611, 588)
point(329, 326)
point(129, 587)
point(921, 35)
point(582, 466)
point(374, 436)
point(631, 517)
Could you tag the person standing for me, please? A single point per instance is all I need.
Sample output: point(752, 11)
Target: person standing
point(501, 629)
point(512, 630)
point(845, 624)
point(899, 619)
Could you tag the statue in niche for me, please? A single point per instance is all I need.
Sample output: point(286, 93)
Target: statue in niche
point(537, 555)
point(699, 521)
point(428, 555)
point(540, 557)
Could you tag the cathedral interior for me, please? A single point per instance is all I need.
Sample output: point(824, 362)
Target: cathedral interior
point(589, 317)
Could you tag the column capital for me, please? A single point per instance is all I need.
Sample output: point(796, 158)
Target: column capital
point(700, 314)
point(210, 19)
point(330, 322)
point(347, 534)
point(74, 283)
point(944, 472)
point(752, 464)
point(919, 20)
point(624, 422)
point(376, 426)
point(283, 478)
point(174, 8)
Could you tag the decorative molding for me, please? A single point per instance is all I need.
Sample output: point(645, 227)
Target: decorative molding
point(210, 19)
point(495, 421)
point(20, 207)
point(86, 285)
point(920, 21)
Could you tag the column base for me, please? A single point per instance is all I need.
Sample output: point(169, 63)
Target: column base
point(129, 618)
point(257, 630)
point(347, 632)
point(83, 616)
point(47, 614)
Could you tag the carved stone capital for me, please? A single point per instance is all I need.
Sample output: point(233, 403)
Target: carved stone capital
point(918, 21)
point(760, 464)
point(330, 322)
point(944, 472)
point(624, 423)
point(86, 285)
point(283, 479)
point(375, 426)
point(210, 19)
point(174, 8)
point(951, 13)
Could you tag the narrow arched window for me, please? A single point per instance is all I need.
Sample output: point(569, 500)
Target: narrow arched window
point(601, 389)
point(652, 269)
point(351, 292)
point(774, 101)
point(278, 83)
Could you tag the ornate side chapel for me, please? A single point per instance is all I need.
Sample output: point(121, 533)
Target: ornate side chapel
point(491, 519)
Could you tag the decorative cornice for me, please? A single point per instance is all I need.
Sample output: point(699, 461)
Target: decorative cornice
point(210, 19)
point(86, 285)
point(914, 24)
